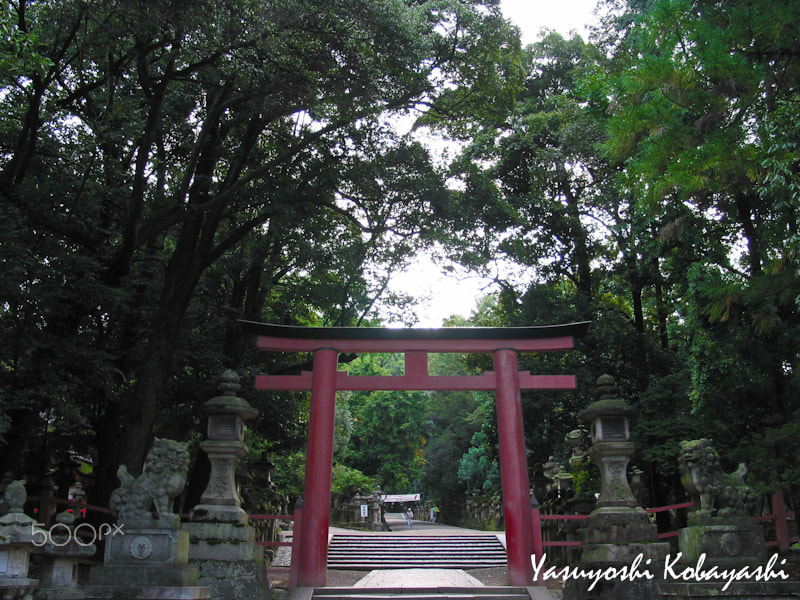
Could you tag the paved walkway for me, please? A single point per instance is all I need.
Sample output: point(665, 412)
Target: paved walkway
point(397, 524)
point(416, 578)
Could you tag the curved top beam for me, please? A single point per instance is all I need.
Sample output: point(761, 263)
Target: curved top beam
point(445, 339)
point(408, 333)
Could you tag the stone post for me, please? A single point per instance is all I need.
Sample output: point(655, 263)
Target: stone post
point(222, 543)
point(18, 533)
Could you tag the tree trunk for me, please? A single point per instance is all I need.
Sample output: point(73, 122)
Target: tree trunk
point(663, 335)
point(183, 273)
point(146, 400)
point(750, 231)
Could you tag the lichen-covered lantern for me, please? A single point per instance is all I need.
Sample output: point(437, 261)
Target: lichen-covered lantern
point(618, 531)
point(59, 561)
point(227, 412)
point(18, 535)
point(608, 420)
point(609, 417)
point(375, 507)
point(225, 448)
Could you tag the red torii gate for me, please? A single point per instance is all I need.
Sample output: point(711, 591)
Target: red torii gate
point(327, 342)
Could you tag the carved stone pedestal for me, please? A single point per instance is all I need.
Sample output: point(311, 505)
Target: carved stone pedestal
point(724, 540)
point(617, 536)
point(59, 579)
point(748, 590)
point(220, 503)
point(732, 544)
point(229, 562)
point(14, 581)
point(150, 563)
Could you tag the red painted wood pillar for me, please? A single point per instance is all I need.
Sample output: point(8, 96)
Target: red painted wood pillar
point(297, 527)
point(514, 469)
point(537, 541)
point(313, 549)
point(781, 525)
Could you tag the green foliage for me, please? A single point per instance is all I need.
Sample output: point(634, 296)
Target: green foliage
point(586, 482)
point(289, 474)
point(348, 482)
point(479, 469)
point(388, 438)
point(701, 118)
point(20, 51)
point(536, 180)
point(665, 418)
point(165, 172)
point(769, 454)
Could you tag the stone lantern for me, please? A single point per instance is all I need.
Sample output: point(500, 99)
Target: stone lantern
point(223, 545)
point(618, 529)
point(225, 448)
point(18, 535)
point(608, 420)
point(375, 509)
point(59, 561)
point(575, 440)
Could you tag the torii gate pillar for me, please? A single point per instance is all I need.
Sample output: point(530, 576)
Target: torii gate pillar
point(506, 381)
point(514, 470)
point(313, 546)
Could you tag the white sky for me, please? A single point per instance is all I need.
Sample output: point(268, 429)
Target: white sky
point(563, 16)
point(445, 296)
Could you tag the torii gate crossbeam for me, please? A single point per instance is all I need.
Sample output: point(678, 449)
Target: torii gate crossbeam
point(325, 380)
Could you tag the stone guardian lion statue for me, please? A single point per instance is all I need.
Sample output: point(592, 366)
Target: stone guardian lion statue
point(150, 495)
point(716, 493)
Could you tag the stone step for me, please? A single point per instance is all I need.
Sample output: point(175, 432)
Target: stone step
point(410, 534)
point(418, 555)
point(456, 541)
point(372, 565)
point(358, 552)
point(439, 593)
point(423, 550)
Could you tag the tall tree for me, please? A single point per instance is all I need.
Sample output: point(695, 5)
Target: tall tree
point(166, 139)
point(544, 195)
point(698, 90)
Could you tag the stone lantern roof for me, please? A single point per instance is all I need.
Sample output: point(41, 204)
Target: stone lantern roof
point(228, 401)
point(608, 402)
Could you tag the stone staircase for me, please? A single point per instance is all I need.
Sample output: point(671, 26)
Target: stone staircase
point(438, 593)
point(370, 552)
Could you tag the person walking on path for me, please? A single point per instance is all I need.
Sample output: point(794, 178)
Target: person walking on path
point(409, 517)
